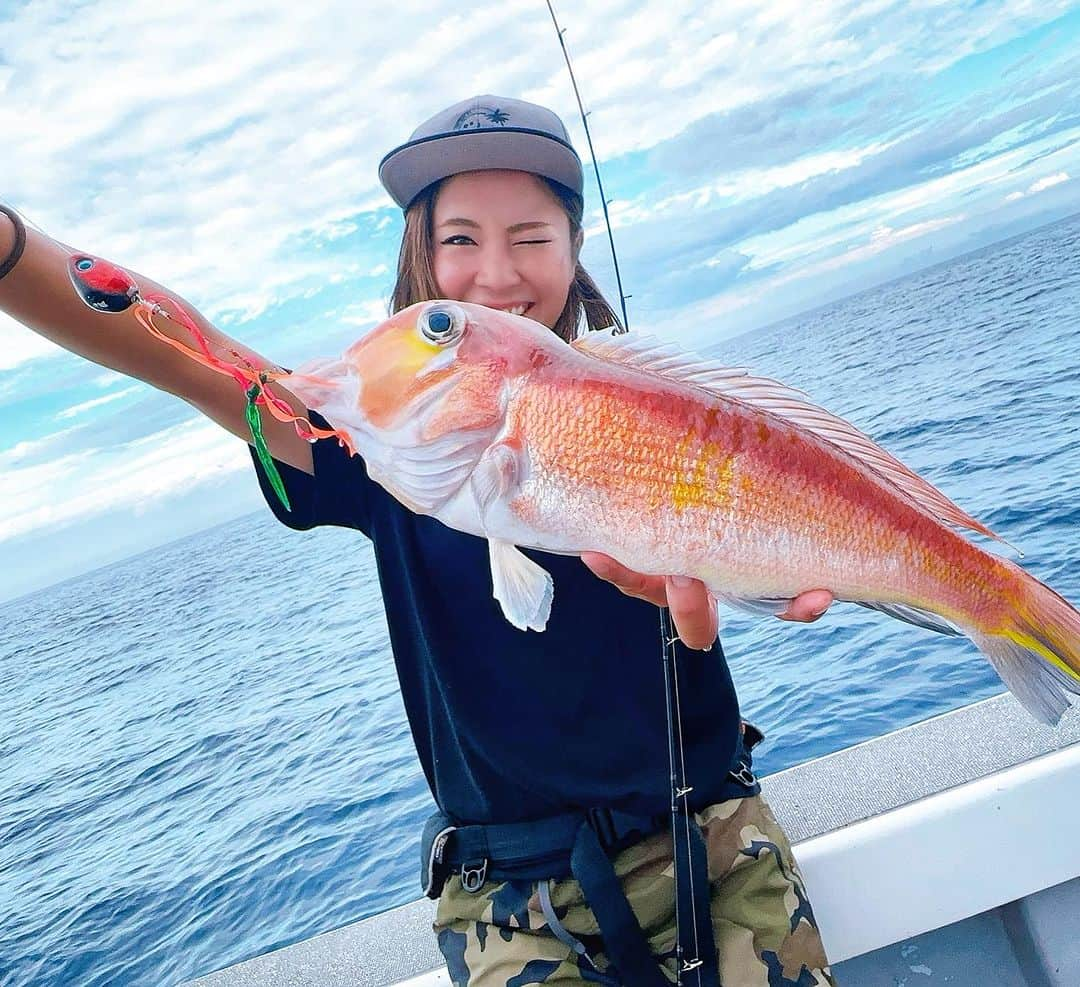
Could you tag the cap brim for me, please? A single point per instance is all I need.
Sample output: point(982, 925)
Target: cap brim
point(408, 170)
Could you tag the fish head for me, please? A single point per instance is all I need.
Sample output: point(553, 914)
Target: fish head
point(446, 362)
point(103, 286)
point(404, 363)
point(424, 393)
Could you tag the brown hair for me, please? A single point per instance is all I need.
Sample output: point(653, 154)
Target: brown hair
point(416, 273)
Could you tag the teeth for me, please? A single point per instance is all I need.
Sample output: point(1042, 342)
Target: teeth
point(516, 309)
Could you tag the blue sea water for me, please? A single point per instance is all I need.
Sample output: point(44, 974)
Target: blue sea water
point(203, 754)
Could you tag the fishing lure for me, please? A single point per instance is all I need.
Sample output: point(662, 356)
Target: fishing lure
point(254, 421)
point(105, 287)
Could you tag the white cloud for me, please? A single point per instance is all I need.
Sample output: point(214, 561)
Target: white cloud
point(1040, 185)
point(19, 344)
point(719, 309)
point(204, 178)
point(130, 476)
point(740, 186)
point(365, 314)
point(11, 459)
point(813, 236)
point(882, 238)
point(107, 378)
point(1049, 182)
point(78, 409)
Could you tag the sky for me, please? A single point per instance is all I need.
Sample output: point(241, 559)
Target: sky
point(761, 158)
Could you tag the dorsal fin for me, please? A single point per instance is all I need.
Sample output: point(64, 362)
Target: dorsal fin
point(656, 356)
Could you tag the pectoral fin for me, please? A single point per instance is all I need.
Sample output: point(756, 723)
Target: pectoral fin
point(498, 474)
point(523, 588)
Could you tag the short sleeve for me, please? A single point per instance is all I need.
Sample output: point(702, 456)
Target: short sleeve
point(338, 493)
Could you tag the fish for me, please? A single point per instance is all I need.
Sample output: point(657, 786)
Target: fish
point(673, 465)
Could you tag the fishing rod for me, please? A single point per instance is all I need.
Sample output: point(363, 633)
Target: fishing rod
point(560, 31)
point(680, 790)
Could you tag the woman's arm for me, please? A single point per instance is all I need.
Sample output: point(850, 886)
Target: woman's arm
point(38, 293)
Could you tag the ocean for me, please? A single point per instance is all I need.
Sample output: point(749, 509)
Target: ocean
point(203, 753)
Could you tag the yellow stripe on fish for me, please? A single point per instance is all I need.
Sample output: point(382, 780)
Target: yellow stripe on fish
point(706, 481)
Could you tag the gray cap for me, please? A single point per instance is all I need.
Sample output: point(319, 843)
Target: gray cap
point(477, 134)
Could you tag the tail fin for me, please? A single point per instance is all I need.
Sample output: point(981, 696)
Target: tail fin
point(1037, 654)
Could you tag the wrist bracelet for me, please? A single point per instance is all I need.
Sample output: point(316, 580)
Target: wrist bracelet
point(20, 241)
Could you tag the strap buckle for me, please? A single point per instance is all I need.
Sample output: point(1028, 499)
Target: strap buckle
point(473, 876)
point(744, 776)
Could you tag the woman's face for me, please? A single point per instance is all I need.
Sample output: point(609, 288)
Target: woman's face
point(502, 239)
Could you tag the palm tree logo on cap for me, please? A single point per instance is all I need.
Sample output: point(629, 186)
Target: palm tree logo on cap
point(478, 117)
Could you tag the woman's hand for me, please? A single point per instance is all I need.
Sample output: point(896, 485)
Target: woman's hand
point(693, 608)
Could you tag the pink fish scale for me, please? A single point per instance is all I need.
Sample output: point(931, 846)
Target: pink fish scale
point(668, 478)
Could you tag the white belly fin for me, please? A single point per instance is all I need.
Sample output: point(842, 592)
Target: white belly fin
point(523, 588)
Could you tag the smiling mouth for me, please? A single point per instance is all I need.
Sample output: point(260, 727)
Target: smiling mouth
point(519, 309)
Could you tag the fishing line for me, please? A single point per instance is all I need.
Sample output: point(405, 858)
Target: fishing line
point(560, 31)
point(22, 215)
point(676, 750)
point(682, 791)
point(107, 288)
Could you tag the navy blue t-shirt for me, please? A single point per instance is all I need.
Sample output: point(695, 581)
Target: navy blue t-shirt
point(515, 725)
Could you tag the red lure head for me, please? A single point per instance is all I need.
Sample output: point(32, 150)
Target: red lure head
point(103, 286)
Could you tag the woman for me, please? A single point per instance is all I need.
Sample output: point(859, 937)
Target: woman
point(546, 753)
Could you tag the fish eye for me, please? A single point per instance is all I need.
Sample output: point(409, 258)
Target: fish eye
point(442, 323)
point(85, 264)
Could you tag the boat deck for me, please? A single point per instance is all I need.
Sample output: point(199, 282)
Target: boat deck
point(943, 853)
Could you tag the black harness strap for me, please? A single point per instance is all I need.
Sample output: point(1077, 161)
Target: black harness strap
point(624, 941)
point(578, 845)
point(582, 845)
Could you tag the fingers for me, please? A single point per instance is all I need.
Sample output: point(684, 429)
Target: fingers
point(693, 611)
point(808, 606)
point(632, 583)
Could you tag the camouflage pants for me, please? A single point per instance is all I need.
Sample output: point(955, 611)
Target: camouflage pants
point(763, 925)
